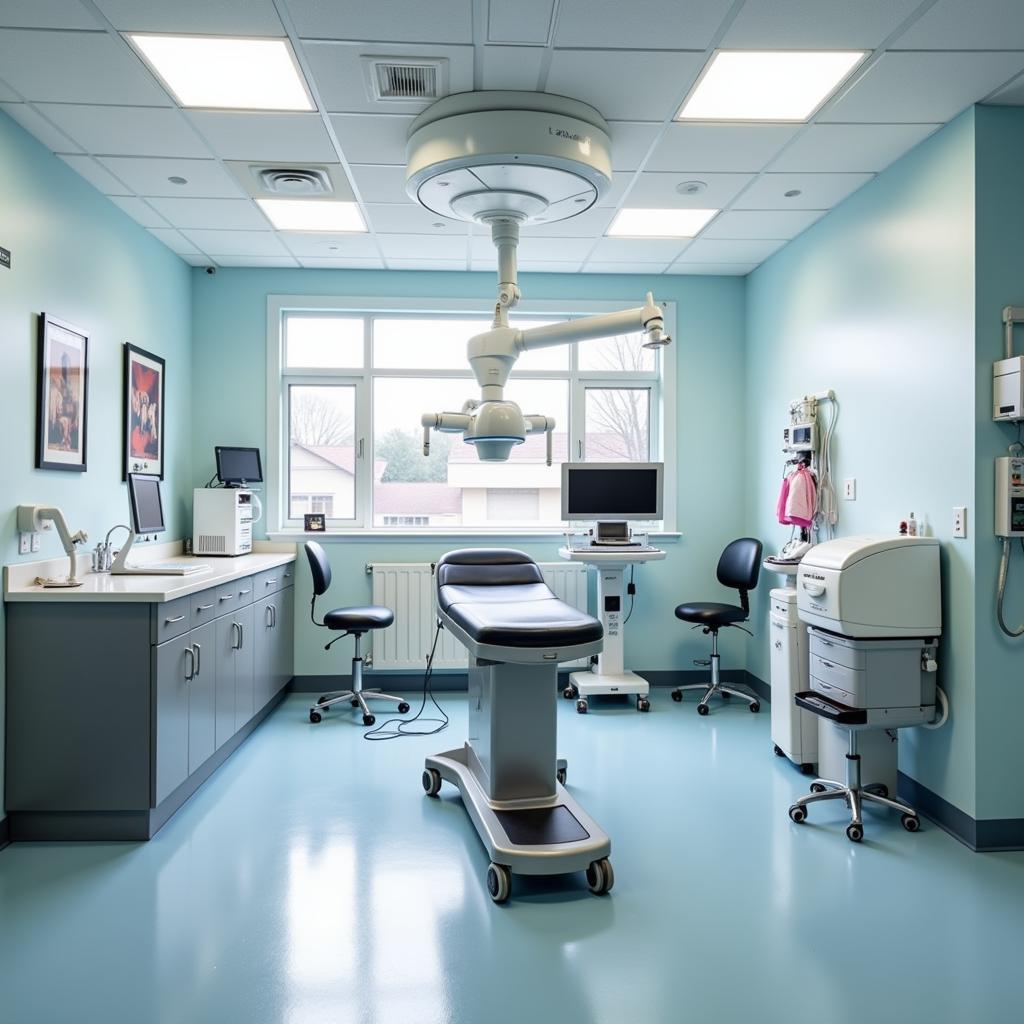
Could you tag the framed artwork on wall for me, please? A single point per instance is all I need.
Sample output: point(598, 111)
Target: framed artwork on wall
point(143, 412)
point(62, 388)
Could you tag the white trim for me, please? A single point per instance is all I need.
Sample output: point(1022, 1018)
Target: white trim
point(438, 533)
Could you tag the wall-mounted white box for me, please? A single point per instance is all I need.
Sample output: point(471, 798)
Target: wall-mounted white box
point(1008, 389)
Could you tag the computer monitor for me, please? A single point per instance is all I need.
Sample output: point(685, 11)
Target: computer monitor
point(147, 507)
point(612, 491)
point(237, 467)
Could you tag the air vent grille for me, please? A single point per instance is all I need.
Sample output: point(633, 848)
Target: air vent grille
point(294, 181)
point(398, 79)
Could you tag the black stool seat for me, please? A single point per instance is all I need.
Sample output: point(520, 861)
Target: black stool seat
point(709, 613)
point(359, 619)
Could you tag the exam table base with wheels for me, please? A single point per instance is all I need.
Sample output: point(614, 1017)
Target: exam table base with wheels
point(510, 779)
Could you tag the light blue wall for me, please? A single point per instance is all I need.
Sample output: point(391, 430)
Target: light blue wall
point(877, 301)
point(229, 321)
point(999, 281)
point(77, 256)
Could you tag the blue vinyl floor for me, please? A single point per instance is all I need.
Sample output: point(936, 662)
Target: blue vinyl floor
point(310, 881)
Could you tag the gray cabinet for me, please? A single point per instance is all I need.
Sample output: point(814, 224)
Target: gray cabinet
point(273, 644)
point(227, 641)
point(202, 695)
point(245, 689)
point(175, 664)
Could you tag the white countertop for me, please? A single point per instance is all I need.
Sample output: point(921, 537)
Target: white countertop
point(20, 585)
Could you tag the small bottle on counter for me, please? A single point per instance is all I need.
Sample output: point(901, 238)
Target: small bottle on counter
point(911, 526)
point(903, 527)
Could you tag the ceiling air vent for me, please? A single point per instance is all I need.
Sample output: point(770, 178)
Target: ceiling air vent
point(396, 79)
point(294, 181)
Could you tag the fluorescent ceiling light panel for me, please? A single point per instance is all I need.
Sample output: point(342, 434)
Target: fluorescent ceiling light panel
point(649, 223)
point(313, 214)
point(227, 73)
point(767, 85)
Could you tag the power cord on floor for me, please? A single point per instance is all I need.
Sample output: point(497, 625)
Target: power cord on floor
point(399, 726)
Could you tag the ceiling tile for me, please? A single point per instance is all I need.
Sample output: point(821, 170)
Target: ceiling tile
point(614, 267)
point(519, 21)
point(372, 138)
point(428, 247)
point(611, 23)
point(550, 266)
point(548, 249)
point(425, 264)
point(96, 175)
point(588, 224)
point(627, 85)
point(816, 24)
point(718, 250)
point(46, 14)
point(438, 21)
point(140, 211)
point(355, 263)
point(851, 147)
point(512, 67)
point(817, 191)
point(657, 189)
point(218, 214)
point(75, 67)
point(237, 243)
point(918, 87)
point(377, 184)
point(7, 94)
point(149, 177)
point(630, 142)
point(409, 218)
point(761, 223)
point(174, 240)
point(720, 147)
point(225, 17)
point(257, 261)
point(642, 250)
point(958, 25)
point(719, 269)
point(40, 127)
point(194, 259)
point(338, 72)
point(265, 136)
point(329, 246)
point(126, 131)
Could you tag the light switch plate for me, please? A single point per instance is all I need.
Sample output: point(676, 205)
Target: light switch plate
point(959, 520)
point(850, 489)
point(24, 543)
point(35, 540)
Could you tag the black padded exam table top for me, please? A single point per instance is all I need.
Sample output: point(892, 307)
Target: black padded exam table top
point(498, 596)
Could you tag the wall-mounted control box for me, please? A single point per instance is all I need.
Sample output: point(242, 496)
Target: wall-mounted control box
point(1009, 496)
point(1008, 389)
point(800, 437)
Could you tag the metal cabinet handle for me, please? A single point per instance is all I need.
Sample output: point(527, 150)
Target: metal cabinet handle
point(242, 593)
point(274, 607)
point(287, 575)
point(199, 658)
point(204, 607)
point(168, 622)
point(190, 671)
point(226, 597)
point(241, 636)
point(269, 583)
point(827, 664)
point(824, 642)
point(238, 635)
point(269, 617)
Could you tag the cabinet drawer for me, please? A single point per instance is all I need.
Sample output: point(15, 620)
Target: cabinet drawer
point(288, 575)
point(204, 606)
point(848, 679)
point(272, 580)
point(245, 590)
point(836, 693)
point(170, 619)
point(836, 650)
point(234, 595)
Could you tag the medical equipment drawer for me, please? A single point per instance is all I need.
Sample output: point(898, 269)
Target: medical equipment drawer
point(837, 649)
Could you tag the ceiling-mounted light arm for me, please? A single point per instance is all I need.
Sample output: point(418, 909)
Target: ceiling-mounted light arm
point(505, 235)
point(535, 424)
point(446, 423)
point(647, 318)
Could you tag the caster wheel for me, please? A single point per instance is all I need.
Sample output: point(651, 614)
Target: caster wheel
point(431, 781)
point(817, 787)
point(315, 717)
point(600, 876)
point(779, 752)
point(569, 692)
point(354, 703)
point(881, 789)
point(855, 833)
point(581, 706)
point(499, 882)
point(368, 719)
point(403, 708)
point(797, 814)
point(643, 704)
point(755, 707)
point(677, 696)
point(726, 695)
point(702, 709)
point(560, 774)
point(911, 822)
point(806, 769)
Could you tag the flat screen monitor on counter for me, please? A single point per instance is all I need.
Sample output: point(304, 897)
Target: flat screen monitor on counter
point(612, 491)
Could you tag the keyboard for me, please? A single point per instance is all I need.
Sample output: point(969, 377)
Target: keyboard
point(166, 569)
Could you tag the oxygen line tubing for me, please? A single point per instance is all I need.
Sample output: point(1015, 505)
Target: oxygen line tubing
point(1004, 572)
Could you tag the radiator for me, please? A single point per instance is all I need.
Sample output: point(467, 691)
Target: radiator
point(407, 588)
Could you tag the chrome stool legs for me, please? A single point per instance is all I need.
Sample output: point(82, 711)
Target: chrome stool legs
point(357, 695)
point(716, 687)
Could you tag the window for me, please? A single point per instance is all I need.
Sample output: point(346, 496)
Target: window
point(356, 375)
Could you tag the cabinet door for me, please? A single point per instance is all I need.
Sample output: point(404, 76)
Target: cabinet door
point(175, 662)
point(263, 638)
point(224, 679)
point(245, 663)
point(284, 639)
point(202, 696)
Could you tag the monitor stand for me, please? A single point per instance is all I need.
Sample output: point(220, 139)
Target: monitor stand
point(613, 535)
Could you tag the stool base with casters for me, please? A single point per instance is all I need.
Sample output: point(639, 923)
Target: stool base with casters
point(716, 687)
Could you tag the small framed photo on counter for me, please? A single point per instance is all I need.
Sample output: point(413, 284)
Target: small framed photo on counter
point(62, 387)
point(143, 412)
point(314, 522)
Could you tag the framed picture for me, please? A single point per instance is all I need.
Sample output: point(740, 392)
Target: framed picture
point(314, 522)
point(63, 395)
point(143, 412)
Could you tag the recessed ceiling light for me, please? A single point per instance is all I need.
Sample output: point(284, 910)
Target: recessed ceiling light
point(313, 214)
point(793, 193)
point(691, 188)
point(648, 223)
point(767, 85)
point(218, 71)
point(177, 179)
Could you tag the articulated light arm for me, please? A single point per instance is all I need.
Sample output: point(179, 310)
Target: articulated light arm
point(31, 519)
point(647, 318)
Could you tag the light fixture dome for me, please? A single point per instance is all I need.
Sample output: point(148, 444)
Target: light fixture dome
point(496, 428)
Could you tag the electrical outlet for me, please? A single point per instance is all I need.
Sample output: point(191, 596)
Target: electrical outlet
point(850, 489)
point(35, 541)
point(959, 520)
point(24, 543)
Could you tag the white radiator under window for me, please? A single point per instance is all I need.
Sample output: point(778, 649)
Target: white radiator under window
point(407, 588)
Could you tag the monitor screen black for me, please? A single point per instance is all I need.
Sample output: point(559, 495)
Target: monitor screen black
point(612, 491)
point(147, 508)
point(238, 465)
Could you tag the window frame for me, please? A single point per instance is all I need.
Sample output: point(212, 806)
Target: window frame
point(661, 381)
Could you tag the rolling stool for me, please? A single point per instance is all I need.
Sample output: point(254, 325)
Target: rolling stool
point(355, 622)
point(738, 567)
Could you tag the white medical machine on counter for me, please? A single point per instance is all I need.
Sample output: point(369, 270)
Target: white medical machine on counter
point(613, 494)
point(873, 605)
point(223, 517)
